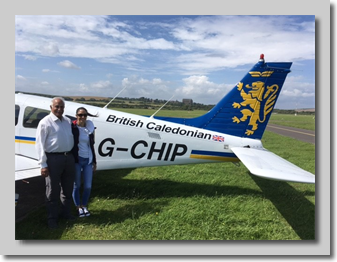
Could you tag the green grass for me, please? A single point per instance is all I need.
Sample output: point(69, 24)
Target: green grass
point(192, 202)
point(298, 121)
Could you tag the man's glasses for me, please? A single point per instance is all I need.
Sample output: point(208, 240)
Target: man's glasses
point(82, 115)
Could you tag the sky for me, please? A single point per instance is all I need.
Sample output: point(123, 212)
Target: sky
point(160, 57)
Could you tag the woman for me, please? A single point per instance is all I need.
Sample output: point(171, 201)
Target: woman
point(85, 158)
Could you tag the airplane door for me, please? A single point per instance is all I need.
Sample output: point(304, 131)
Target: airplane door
point(25, 131)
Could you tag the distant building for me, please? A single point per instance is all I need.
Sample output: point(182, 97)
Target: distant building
point(187, 101)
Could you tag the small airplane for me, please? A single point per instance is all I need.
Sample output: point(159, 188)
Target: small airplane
point(230, 132)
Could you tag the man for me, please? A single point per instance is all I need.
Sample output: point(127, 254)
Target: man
point(54, 141)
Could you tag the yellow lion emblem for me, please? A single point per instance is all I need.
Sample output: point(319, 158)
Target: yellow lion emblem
point(252, 101)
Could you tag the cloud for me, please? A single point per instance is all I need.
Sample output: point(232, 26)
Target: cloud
point(101, 84)
point(49, 49)
point(46, 70)
point(20, 77)
point(151, 88)
point(199, 88)
point(204, 42)
point(181, 55)
point(30, 57)
point(68, 64)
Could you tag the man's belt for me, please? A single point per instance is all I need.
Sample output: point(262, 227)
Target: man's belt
point(59, 153)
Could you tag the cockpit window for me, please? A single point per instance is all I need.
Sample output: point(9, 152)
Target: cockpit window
point(33, 116)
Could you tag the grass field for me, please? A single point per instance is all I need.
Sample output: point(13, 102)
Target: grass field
point(193, 202)
point(298, 121)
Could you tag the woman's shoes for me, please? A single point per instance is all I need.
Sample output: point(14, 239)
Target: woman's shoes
point(86, 211)
point(81, 212)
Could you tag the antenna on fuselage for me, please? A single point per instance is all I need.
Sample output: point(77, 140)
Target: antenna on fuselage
point(114, 97)
point(161, 107)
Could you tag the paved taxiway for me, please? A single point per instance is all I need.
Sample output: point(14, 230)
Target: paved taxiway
point(299, 134)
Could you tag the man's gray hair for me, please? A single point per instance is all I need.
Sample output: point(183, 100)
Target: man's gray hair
point(57, 98)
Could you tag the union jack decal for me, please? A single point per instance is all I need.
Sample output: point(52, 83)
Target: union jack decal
point(218, 138)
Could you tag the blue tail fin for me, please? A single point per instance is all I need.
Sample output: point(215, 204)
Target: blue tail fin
point(246, 109)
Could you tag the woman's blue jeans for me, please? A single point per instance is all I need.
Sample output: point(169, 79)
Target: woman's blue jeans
point(83, 170)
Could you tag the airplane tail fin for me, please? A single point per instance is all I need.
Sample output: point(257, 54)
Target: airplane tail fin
point(246, 109)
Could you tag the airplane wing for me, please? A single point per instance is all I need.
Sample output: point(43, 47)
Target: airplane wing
point(26, 167)
point(263, 163)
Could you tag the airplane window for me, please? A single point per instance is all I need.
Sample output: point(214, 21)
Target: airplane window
point(17, 111)
point(33, 116)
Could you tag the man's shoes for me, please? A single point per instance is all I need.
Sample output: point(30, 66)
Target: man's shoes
point(81, 212)
point(86, 211)
point(52, 224)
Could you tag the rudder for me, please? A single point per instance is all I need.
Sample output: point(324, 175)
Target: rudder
point(246, 109)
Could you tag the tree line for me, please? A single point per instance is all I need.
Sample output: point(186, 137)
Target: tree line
point(149, 103)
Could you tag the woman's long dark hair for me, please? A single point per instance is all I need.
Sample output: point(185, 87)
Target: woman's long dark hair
point(83, 108)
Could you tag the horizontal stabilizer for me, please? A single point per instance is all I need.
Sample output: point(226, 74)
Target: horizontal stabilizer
point(263, 163)
point(26, 167)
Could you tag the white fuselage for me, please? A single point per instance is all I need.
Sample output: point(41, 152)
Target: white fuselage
point(125, 140)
